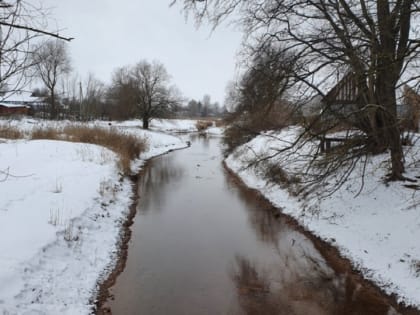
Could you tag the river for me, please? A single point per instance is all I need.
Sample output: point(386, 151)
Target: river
point(202, 244)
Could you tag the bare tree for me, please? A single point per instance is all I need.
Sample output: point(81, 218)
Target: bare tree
point(121, 95)
point(258, 101)
point(93, 98)
point(20, 24)
point(145, 86)
point(266, 81)
point(51, 60)
point(368, 38)
point(153, 95)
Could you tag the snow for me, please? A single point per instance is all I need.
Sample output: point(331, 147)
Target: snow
point(166, 125)
point(214, 131)
point(378, 229)
point(20, 97)
point(174, 125)
point(61, 215)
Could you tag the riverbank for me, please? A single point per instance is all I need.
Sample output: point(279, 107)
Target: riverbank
point(370, 298)
point(377, 229)
point(178, 263)
point(62, 213)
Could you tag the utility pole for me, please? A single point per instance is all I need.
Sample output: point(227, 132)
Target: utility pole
point(80, 100)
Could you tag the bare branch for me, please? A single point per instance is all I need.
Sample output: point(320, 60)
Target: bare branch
point(28, 28)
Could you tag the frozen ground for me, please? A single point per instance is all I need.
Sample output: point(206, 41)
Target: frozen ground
point(378, 230)
point(61, 211)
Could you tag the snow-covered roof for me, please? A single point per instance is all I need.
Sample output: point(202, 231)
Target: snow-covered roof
point(18, 97)
point(12, 105)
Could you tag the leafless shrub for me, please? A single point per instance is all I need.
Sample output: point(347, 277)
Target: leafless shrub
point(276, 174)
point(245, 126)
point(236, 135)
point(203, 124)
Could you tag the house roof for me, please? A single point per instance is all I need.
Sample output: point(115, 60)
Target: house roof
point(9, 105)
point(18, 97)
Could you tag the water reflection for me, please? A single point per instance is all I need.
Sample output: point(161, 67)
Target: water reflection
point(298, 281)
point(263, 291)
point(203, 138)
point(202, 245)
point(315, 291)
point(156, 181)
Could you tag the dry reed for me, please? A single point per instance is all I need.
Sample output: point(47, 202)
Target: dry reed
point(128, 147)
point(8, 132)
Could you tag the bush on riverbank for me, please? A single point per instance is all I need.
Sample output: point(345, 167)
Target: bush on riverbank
point(244, 126)
point(203, 124)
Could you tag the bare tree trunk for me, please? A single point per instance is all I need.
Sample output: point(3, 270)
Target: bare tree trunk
point(145, 122)
point(53, 111)
point(389, 131)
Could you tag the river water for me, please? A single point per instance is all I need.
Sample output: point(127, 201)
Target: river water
point(203, 245)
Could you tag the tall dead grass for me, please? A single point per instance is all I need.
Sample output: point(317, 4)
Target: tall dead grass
point(128, 147)
point(47, 133)
point(8, 132)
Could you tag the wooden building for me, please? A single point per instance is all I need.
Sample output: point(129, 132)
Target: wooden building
point(13, 109)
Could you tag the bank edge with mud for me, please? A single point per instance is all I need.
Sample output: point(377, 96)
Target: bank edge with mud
point(369, 291)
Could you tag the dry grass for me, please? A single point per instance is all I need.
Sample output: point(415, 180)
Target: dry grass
point(128, 147)
point(203, 124)
point(47, 133)
point(220, 123)
point(415, 265)
point(274, 173)
point(8, 132)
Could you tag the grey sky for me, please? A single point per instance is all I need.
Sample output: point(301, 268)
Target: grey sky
point(109, 34)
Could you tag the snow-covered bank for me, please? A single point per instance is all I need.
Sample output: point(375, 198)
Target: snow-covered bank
point(169, 125)
point(165, 125)
point(378, 230)
point(61, 212)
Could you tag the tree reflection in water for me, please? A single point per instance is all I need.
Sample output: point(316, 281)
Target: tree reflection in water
point(202, 137)
point(264, 292)
point(156, 181)
point(298, 281)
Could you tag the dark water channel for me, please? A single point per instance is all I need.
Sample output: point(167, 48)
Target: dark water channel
point(203, 245)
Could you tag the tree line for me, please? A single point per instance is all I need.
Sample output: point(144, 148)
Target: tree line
point(142, 90)
point(29, 53)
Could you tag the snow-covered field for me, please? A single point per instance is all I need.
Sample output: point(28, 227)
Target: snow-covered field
point(170, 125)
point(61, 209)
point(167, 125)
point(378, 230)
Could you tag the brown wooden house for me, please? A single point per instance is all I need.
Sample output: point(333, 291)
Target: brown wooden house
point(343, 100)
point(13, 110)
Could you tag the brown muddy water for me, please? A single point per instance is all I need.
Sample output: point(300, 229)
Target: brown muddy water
point(201, 244)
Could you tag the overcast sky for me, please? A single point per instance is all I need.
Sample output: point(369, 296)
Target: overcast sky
point(113, 33)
